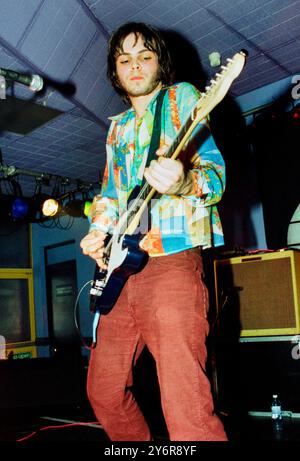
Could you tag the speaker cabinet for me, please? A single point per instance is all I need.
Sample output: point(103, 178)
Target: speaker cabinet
point(259, 295)
point(248, 372)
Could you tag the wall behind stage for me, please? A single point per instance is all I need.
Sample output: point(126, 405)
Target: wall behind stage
point(272, 118)
point(43, 237)
point(255, 209)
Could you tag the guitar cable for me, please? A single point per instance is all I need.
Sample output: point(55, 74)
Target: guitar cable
point(95, 321)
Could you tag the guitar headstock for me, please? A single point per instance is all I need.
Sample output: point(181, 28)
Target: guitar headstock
point(220, 84)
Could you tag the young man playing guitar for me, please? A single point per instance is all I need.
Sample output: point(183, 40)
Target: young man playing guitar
point(164, 305)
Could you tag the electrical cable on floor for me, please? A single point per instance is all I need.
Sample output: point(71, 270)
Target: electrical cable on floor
point(62, 426)
point(60, 420)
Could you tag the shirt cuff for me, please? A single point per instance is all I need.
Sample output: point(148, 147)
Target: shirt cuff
point(199, 188)
point(98, 226)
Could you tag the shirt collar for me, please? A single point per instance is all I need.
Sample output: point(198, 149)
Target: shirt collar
point(131, 112)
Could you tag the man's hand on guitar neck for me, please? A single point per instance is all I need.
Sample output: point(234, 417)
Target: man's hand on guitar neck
point(93, 245)
point(167, 176)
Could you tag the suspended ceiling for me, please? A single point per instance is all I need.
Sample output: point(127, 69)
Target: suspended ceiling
point(61, 130)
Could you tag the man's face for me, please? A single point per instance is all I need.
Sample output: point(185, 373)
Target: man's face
point(137, 68)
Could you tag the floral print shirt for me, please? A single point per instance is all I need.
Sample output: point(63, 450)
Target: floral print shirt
point(177, 222)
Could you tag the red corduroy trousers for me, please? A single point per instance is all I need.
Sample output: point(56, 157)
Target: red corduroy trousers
point(165, 307)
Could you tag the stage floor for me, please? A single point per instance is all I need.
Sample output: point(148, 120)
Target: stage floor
point(26, 426)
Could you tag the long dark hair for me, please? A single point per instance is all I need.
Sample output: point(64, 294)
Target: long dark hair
point(153, 41)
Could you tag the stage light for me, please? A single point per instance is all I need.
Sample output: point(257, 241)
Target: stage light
point(19, 208)
point(87, 207)
point(35, 208)
point(51, 207)
point(77, 208)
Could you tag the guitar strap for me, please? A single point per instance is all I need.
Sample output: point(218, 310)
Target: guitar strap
point(154, 145)
point(155, 138)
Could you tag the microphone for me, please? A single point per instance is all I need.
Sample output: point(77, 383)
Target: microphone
point(34, 82)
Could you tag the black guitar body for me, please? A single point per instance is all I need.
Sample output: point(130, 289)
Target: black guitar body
point(103, 299)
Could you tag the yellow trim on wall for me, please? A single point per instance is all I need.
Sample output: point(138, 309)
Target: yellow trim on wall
point(22, 350)
point(24, 274)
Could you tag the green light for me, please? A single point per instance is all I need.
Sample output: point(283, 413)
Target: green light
point(87, 207)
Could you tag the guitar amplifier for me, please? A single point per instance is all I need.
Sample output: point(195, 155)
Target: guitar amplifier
point(258, 295)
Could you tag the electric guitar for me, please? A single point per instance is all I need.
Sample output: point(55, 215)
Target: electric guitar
point(122, 253)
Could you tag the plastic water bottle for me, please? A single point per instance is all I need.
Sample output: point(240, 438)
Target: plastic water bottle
point(276, 408)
